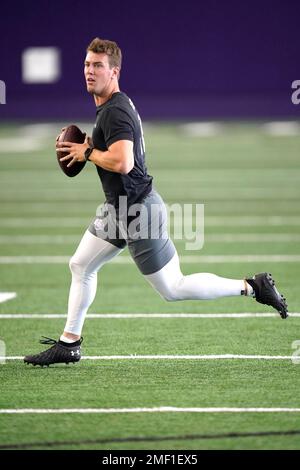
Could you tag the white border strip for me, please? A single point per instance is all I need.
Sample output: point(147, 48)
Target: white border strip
point(168, 357)
point(159, 409)
point(38, 316)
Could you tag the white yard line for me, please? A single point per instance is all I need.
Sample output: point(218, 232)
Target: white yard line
point(4, 296)
point(34, 259)
point(19, 222)
point(251, 237)
point(211, 238)
point(184, 259)
point(210, 221)
point(192, 357)
point(288, 192)
point(52, 316)
point(159, 409)
point(40, 239)
point(259, 220)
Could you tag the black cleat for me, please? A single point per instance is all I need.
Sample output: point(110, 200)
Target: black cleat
point(266, 293)
point(58, 353)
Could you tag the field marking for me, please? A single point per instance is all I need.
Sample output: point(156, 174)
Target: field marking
point(14, 222)
point(281, 128)
point(251, 237)
point(211, 238)
point(22, 144)
point(40, 239)
point(40, 316)
point(4, 296)
point(192, 357)
point(201, 129)
point(224, 193)
point(158, 409)
point(259, 220)
point(210, 221)
point(119, 440)
point(211, 128)
point(184, 259)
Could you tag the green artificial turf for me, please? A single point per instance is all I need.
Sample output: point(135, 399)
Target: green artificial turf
point(249, 183)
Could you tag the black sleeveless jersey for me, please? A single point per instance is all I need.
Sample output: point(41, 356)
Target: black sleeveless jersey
point(117, 119)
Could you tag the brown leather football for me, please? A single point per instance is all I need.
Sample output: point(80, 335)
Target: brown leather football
point(70, 133)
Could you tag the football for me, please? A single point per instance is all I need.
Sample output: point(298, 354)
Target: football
point(70, 133)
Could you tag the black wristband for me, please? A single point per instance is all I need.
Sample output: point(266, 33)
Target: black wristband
point(87, 153)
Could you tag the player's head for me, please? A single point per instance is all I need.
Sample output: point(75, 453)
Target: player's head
point(102, 65)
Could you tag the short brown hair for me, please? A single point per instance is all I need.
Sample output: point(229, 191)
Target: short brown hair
point(110, 48)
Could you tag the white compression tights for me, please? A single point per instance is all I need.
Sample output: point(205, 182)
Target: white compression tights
point(173, 285)
point(92, 253)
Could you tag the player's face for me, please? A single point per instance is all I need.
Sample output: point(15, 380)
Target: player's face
point(98, 74)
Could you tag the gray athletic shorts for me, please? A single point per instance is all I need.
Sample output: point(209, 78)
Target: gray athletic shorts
point(143, 229)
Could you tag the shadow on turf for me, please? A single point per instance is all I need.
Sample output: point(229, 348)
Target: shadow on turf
point(151, 439)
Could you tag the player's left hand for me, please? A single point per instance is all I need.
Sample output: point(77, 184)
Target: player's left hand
point(75, 151)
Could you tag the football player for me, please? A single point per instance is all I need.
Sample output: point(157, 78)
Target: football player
point(117, 150)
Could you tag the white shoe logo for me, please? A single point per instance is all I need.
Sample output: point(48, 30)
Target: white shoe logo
point(75, 352)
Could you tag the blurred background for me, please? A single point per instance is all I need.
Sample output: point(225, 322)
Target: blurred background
point(191, 59)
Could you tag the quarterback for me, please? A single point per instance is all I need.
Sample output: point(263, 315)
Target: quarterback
point(117, 150)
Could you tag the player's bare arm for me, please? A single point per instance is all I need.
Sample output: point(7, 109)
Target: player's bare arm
point(118, 158)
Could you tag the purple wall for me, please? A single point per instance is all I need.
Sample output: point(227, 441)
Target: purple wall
point(191, 59)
